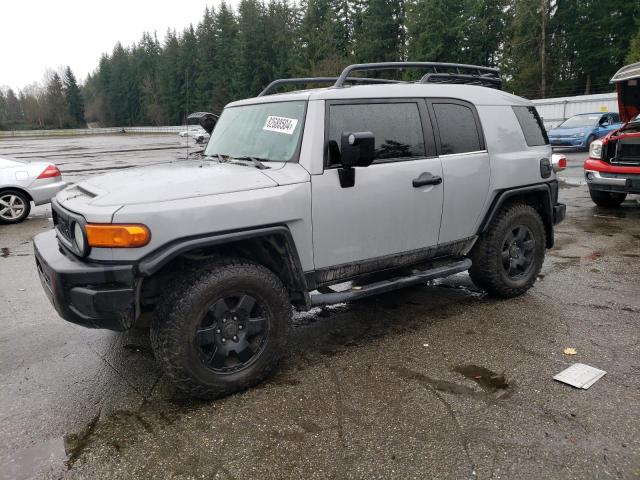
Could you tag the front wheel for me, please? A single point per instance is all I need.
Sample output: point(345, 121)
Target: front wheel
point(508, 257)
point(590, 140)
point(223, 329)
point(606, 199)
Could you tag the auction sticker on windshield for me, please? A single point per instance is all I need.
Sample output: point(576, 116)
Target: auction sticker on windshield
point(280, 124)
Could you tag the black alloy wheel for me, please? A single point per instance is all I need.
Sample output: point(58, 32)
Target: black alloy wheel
point(518, 250)
point(232, 333)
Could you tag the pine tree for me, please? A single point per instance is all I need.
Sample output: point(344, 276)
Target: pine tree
point(436, 29)
point(322, 37)
point(633, 55)
point(3, 109)
point(75, 104)
point(227, 80)
point(484, 31)
point(204, 84)
point(378, 33)
point(58, 115)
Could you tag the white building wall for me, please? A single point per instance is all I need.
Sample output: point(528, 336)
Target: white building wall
point(556, 110)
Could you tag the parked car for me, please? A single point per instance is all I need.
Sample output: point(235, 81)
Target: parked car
point(298, 192)
point(197, 133)
point(24, 182)
point(580, 130)
point(613, 167)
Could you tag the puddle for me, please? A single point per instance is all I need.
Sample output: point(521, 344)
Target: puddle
point(488, 380)
point(74, 444)
point(492, 384)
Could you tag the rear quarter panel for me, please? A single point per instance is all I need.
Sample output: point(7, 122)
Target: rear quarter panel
point(513, 162)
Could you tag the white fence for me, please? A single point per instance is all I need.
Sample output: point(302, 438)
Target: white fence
point(556, 110)
point(89, 131)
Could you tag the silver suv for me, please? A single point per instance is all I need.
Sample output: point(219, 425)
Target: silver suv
point(297, 193)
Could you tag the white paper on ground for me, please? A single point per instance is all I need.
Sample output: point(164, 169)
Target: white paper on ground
point(580, 375)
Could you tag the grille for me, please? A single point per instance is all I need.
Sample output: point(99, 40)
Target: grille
point(628, 153)
point(62, 222)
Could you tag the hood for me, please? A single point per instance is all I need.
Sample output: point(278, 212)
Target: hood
point(170, 181)
point(627, 85)
point(569, 131)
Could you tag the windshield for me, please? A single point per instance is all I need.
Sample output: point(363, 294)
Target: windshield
point(266, 131)
point(580, 121)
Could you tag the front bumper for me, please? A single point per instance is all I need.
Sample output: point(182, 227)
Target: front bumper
point(89, 294)
point(579, 142)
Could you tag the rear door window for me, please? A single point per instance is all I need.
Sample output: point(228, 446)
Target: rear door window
point(397, 128)
point(459, 132)
point(532, 126)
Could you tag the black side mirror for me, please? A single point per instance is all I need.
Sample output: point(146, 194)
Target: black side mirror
point(357, 149)
point(205, 119)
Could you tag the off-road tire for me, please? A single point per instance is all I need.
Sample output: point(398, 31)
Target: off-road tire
point(24, 199)
point(487, 271)
point(177, 317)
point(607, 199)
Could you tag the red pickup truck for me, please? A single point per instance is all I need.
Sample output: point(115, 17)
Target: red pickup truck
point(613, 167)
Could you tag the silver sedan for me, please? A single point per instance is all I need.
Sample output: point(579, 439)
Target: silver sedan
point(24, 182)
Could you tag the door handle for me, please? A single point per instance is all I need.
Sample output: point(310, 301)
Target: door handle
point(426, 178)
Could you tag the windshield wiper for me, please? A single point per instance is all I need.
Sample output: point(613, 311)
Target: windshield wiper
point(258, 164)
point(229, 158)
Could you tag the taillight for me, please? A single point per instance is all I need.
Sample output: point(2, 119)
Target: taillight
point(50, 172)
point(559, 162)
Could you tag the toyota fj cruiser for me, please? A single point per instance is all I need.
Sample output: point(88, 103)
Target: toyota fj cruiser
point(613, 167)
point(295, 194)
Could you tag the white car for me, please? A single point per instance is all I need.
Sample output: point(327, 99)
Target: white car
point(197, 133)
point(24, 182)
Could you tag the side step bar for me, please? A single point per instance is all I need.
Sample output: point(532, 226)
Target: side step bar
point(391, 284)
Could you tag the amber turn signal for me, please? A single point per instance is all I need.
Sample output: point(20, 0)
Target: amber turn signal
point(108, 235)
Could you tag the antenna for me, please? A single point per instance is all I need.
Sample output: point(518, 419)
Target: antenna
point(187, 114)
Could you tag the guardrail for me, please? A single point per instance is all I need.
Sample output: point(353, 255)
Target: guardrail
point(90, 131)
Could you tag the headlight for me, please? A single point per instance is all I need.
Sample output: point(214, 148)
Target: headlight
point(595, 150)
point(577, 135)
point(79, 238)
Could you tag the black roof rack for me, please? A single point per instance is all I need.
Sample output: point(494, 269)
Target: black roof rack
point(331, 80)
point(440, 72)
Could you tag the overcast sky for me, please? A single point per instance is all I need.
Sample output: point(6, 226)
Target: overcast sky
point(40, 34)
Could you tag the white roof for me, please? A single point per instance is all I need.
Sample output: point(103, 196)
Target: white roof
point(627, 72)
point(474, 94)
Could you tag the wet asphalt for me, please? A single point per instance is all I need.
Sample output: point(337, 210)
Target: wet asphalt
point(436, 381)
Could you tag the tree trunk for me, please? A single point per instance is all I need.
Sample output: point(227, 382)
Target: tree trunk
point(587, 88)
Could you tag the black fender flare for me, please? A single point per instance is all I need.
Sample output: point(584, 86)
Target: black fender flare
point(542, 192)
point(157, 259)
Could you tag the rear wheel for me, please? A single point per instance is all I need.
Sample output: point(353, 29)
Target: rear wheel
point(14, 206)
point(223, 329)
point(606, 199)
point(508, 257)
